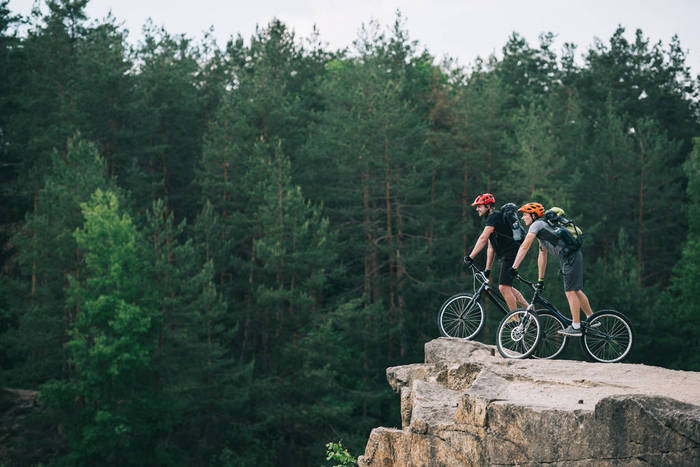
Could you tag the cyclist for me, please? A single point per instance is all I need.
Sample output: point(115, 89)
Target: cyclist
point(571, 264)
point(498, 234)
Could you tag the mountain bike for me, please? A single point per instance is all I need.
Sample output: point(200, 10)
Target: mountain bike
point(462, 315)
point(607, 335)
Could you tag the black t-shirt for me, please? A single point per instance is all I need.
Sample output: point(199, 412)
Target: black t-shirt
point(502, 237)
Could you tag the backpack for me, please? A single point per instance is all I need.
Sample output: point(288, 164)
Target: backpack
point(510, 215)
point(565, 229)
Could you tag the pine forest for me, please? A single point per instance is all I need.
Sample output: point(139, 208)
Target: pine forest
point(212, 252)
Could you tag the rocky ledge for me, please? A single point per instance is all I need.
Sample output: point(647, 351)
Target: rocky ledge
point(468, 406)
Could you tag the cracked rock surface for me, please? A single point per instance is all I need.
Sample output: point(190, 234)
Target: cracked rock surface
point(467, 406)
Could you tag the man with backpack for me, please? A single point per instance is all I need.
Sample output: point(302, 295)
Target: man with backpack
point(557, 242)
point(498, 235)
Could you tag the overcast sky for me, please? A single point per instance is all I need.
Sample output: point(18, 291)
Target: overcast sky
point(460, 29)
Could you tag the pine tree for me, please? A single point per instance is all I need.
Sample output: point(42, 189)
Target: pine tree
point(657, 181)
point(170, 123)
point(529, 73)
point(44, 114)
point(47, 255)
point(642, 81)
point(193, 366)
point(678, 327)
point(538, 163)
point(111, 404)
point(293, 253)
point(106, 108)
point(611, 147)
point(12, 206)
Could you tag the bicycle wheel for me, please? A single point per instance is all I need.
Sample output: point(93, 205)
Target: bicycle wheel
point(461, 317)
point(610, 340)
point(518, 334)
point(551, 342)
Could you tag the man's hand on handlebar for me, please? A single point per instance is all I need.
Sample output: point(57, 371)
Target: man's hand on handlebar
point(539, 285)
point(513, 271)
point(487, 273)
point(468, 260)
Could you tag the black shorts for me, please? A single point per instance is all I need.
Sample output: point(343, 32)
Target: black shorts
point(504, 277)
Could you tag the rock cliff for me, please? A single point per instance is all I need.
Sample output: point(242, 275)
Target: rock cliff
point(468, 406)
point(25, 431)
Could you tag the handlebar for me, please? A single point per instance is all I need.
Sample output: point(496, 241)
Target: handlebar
point(474, 267)
point(538, 292)
point(522, 279)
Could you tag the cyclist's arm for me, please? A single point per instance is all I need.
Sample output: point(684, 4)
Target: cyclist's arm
point(489, 257)
point(522, 251)
point(481, 242)
point(541, 264)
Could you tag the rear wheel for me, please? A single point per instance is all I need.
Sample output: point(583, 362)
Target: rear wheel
point(518, 334)
point(461, 316)
point(607, 337)
point(551, 342)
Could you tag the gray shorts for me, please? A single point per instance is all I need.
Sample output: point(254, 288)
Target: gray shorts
point(572, 271)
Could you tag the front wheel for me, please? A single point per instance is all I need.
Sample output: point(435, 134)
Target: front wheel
point(518, 334)
point(551, 342)
point(461, 316)
point(607, 337)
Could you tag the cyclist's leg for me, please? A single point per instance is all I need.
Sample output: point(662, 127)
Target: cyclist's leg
point(507, 292)
point(572, 272)
point(574, 305)
point(585, 305)
point(520, 299)
point(505, 282)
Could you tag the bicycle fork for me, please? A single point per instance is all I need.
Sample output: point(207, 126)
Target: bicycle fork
point(519, 331)
point(474, 299)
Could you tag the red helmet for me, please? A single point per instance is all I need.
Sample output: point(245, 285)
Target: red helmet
point(533, 208)
point(486, 198)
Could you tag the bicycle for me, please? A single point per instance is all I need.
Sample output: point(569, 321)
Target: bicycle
point(607, 335)
point(462, 315)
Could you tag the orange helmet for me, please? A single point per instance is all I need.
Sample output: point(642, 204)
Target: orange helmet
point(486, 198)
point(533, 208)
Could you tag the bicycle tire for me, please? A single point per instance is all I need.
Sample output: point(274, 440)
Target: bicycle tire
point(454, 320)
point(551, 342)
point(518, 338)
point(611, 340)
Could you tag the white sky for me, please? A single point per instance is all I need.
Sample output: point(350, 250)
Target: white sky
point(460, 29)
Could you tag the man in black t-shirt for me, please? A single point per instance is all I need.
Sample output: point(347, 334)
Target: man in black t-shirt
point(498, 234)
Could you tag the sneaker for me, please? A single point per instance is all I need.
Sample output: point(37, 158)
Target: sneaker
point(584, 322)
point(570, 331)
point(513, 319)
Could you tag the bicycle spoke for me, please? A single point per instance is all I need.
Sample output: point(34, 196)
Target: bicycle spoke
point(597, 346)
point(611, 340)
point(551, 342)
point(461, 317)
point(454, 326)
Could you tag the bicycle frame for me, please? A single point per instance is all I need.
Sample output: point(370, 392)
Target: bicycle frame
point(537, 298)
point(540, 300)
point(487, 290)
